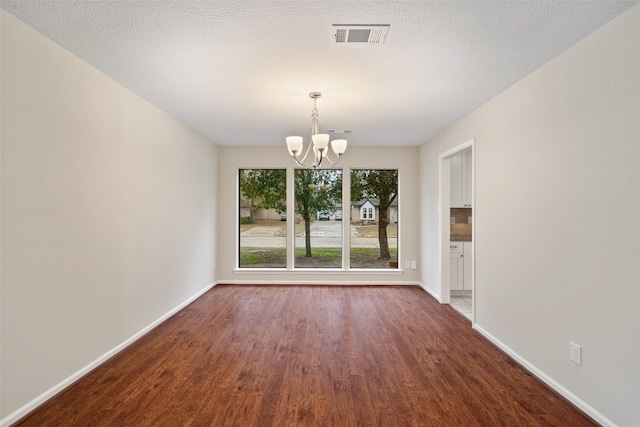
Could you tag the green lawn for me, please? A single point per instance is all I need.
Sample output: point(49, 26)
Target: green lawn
point(321, 258)
point(372, 230)
point(263, 257)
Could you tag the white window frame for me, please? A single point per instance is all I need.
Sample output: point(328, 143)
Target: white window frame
point(290, 226)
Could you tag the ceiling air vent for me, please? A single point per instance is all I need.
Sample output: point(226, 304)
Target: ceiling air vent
point(358, 33)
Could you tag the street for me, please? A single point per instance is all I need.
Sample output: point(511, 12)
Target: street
point(324, 234)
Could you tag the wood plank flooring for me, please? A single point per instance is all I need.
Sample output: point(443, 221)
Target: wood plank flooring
point(310, 356)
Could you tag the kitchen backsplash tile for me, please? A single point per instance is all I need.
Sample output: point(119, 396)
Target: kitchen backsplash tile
point(461, 228)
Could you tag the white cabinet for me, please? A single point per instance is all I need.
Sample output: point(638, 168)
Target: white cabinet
point(456, 265)
point(460, 182)
point(468, 263)
point(460, 262)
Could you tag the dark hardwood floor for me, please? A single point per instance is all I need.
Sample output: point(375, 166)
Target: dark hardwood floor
point(314, 355)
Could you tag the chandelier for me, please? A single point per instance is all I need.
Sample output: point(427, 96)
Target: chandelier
point(319, 142)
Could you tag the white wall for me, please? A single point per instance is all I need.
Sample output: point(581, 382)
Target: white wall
point(108, 214)
point(231, 159)
point(557, 205)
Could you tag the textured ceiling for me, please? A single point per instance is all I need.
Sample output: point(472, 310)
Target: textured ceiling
point(239, 72)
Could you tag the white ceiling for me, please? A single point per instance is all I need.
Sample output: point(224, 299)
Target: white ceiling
point(239, 72)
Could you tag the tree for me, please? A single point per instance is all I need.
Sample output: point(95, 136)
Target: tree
point(382, 185)
point(264, 189)
point(315, 191)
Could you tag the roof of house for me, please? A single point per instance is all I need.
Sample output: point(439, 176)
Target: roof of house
point(374, 202)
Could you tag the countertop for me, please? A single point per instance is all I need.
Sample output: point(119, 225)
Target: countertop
point(460, 238)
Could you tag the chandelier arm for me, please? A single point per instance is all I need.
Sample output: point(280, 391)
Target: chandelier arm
point(302, 165)
point(306, 153)
point(319, 158)
point(332, 162)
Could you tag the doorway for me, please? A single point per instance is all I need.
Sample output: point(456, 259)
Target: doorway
point(456, 229)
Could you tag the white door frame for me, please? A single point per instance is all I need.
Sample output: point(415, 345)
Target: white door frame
point(444, 205)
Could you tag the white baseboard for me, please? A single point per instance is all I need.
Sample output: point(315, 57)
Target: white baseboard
point(320, 282)
point(430, 292)
point(586, 408)
point(27, 408)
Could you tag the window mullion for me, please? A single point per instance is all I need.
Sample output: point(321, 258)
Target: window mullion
point(346, 219)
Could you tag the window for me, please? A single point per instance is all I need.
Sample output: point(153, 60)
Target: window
point(316, 219)
point(318, 197)
point(367, 212)
point(374, 218)
point(262, 219)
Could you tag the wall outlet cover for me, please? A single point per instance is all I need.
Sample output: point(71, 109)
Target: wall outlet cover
point(575, 353)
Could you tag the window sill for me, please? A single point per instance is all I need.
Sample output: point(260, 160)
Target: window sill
point(309, 271)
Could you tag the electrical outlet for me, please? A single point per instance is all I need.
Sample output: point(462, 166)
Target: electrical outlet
point(469, 220)
point(407, 264)
point(575, 353)
point(414, 264)
point(452, 220)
